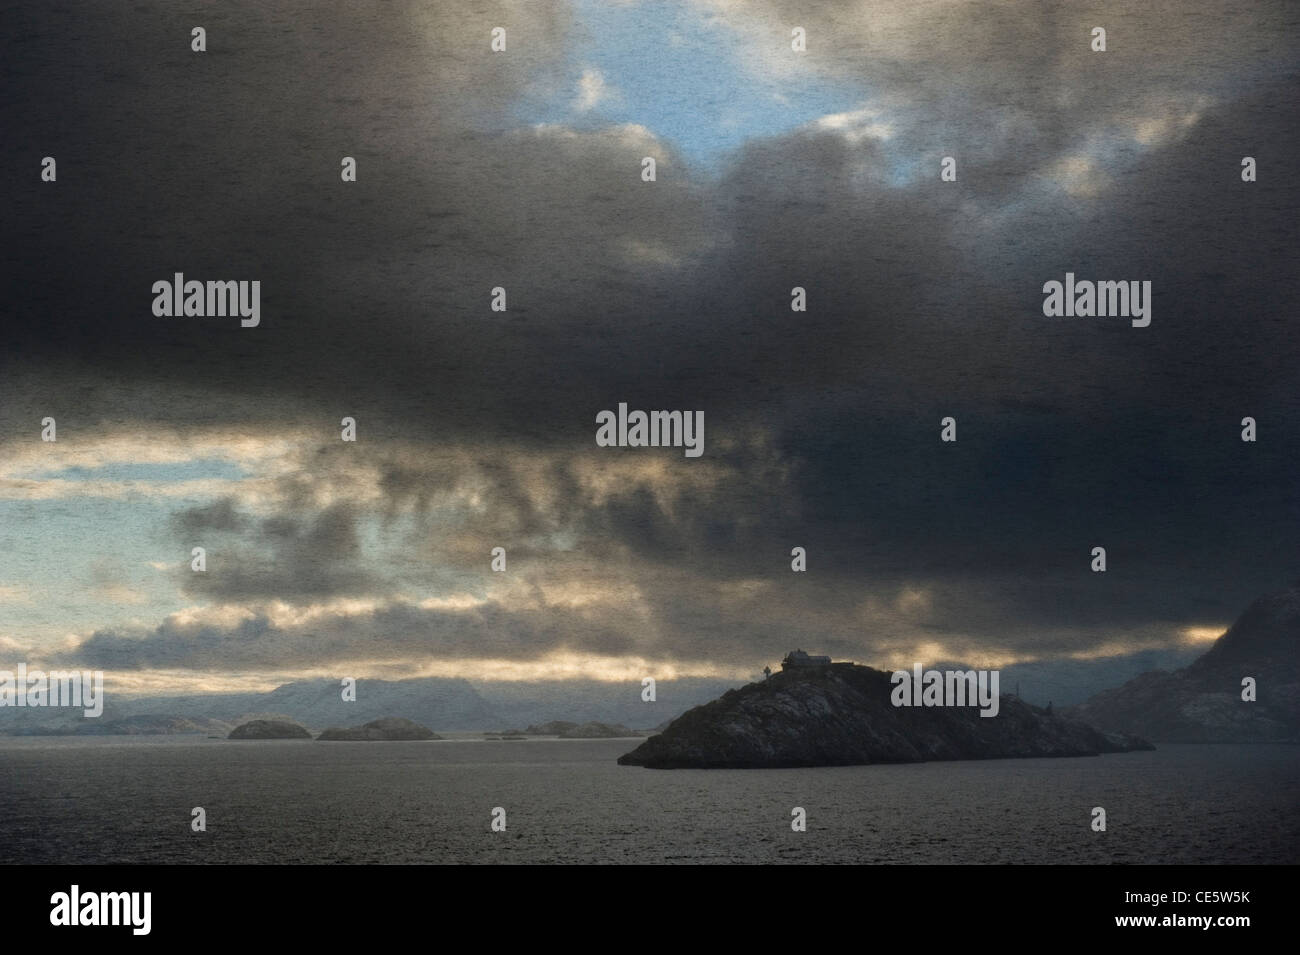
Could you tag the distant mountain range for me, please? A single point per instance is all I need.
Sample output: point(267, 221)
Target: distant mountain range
point(1202, 702)
point(445, 704)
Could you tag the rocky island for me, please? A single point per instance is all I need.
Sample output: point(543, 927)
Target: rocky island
point(269, 729)
point(841, 715)
point(388, 728)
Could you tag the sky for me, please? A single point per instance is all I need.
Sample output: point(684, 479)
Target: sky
point(522, 169)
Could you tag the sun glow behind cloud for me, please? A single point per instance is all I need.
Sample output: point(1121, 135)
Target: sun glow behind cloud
point(559, 666)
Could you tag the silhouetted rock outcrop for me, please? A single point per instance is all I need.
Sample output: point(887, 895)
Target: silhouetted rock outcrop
point(1202, 703)
point(842, 715)
point(388, 728)
point(269, 729)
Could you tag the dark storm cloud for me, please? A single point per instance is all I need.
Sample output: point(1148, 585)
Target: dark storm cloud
point(924, 301)
point(220, 515)
point(695, 624)
point(401, 632)
point(290, 555)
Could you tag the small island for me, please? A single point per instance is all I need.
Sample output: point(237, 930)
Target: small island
point(818, 713)
point(553, 728)
point(388, 728)
point(269, 729)
point(594, 730)
point(564, 729)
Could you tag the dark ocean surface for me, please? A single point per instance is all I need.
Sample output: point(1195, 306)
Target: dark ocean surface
point(129, 799)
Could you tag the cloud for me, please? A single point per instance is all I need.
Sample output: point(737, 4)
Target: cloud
point(609, 556)
point(15, 594)
point(592, 91)
point(476, 428)
point(293, 554)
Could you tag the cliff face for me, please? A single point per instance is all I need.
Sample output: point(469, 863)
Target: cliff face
point(1202, 703)
point(842, 716)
